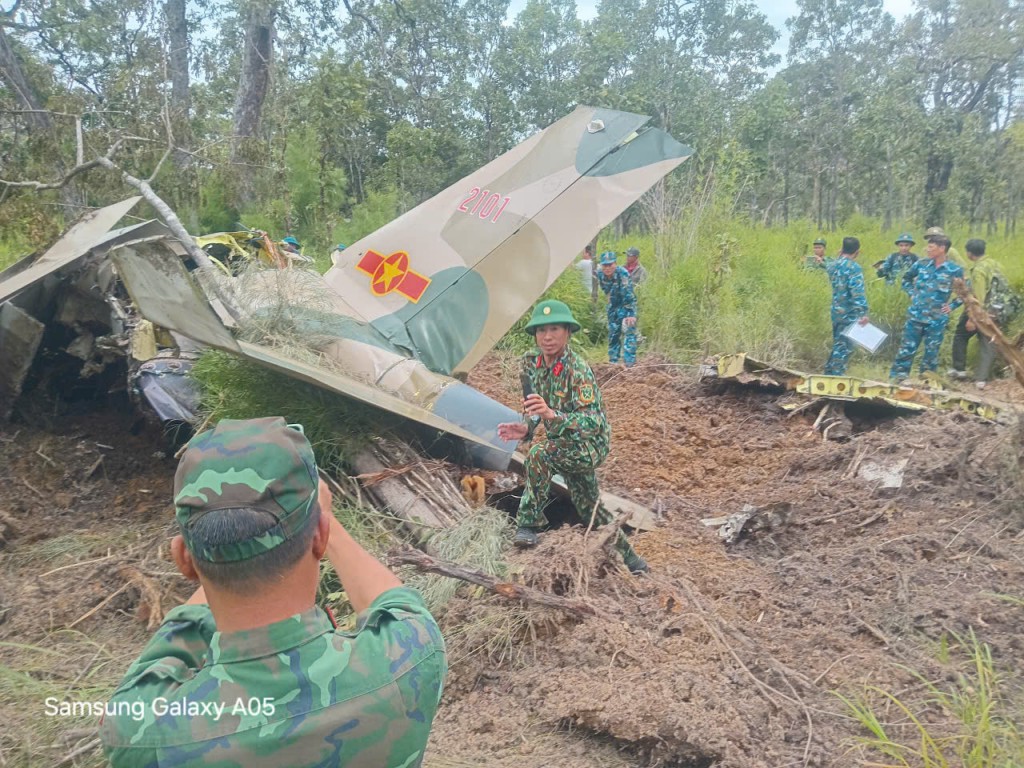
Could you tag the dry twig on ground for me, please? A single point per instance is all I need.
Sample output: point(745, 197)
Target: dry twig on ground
point(424, 562)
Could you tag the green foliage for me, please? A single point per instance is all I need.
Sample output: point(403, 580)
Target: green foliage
point(234, 388)
point(379, 208)
point(568, 288)
point(216, 213)
point(967, 720)
point(736, 286)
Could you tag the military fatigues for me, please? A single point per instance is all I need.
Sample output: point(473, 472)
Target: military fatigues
point(929, 287)
point(979, 273)
point(849, 304)
point(578, 440)
point(297, 692)
point(621, 304)
point(895, 265)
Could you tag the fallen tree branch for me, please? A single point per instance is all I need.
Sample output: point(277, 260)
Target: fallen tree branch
point(424, 562)
point(987, 326)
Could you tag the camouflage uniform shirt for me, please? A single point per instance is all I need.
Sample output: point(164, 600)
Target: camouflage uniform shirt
point(849, 302)
point(621, 297)
point(298, 692)
point(929, 287)
point(895, 265)
point(570, 389)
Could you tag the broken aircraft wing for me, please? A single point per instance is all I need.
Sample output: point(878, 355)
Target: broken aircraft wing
point(446, 281)
point(167, 295)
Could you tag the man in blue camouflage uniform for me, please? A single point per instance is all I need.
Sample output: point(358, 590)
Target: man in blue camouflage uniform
point(618, 286)
point(849, 303)
point(929, 283)
point(565, 396)
point(895, 264)
point(249, 672)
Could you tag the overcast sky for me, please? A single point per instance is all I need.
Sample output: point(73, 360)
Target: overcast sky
point(777, 12)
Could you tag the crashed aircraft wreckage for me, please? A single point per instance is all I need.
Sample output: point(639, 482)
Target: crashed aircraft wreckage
point(400, 316)
point(846, 389)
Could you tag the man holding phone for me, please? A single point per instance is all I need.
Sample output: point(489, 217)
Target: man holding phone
point(559, 389)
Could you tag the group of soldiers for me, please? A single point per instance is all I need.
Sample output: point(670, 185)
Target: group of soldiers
point(929, 283)
point(619, 284)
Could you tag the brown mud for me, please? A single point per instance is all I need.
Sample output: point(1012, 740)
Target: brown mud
point(723, 656)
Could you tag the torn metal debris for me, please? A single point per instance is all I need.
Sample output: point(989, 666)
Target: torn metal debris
point(751, 519)
point(745, 370)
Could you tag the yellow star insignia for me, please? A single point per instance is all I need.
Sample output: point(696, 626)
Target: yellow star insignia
point(389, 273)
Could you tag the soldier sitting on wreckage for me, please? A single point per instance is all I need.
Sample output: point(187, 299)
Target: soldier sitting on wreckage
point(249, 672)
point(565, 395)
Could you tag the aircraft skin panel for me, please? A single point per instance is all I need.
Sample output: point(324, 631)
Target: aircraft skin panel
point(361, 391)
point(167, 295)
point(452, 275)
point(593, 200)
point(86, 233)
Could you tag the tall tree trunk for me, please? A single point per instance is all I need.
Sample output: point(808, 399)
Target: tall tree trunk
point(890, 187)
point(12, 74)
point(177, 65)
point(939, 167)
point(253, 85)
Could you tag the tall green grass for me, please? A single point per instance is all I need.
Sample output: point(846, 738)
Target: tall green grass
point(723, 285)
point(967, 720)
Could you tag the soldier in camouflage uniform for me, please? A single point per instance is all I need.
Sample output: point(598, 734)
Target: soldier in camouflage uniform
point(895, 264)
point(849, 303)
point(566, 397)
point(929, 283)
point(249, 672)
point(618, 286)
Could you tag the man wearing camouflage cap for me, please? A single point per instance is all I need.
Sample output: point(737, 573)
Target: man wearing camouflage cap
point(618, 286)
point(565, 396)
point(899, 261)
point(249, 672)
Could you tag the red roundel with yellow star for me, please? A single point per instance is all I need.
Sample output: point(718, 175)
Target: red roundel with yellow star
point(391, 274)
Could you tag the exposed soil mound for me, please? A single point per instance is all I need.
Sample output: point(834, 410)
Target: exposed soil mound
point(730, 656)
point(726, 655)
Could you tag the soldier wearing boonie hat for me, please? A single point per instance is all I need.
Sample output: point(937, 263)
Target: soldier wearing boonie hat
point(564, 393)
point(250, 657)
point(899, 261)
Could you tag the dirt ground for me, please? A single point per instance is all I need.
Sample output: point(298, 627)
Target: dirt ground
point(724, 656)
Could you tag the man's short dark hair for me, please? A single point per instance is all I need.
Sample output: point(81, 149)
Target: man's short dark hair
point(850, 245)
point(943, 242)
point(975, 246)
point(229, 526)
point(588, 248)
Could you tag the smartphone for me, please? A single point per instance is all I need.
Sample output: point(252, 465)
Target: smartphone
point(527, 384)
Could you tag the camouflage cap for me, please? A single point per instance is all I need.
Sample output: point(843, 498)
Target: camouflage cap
point(820, 242)
point(609, 257)
point(906, 237)
point(934, 232)
point(260, 464)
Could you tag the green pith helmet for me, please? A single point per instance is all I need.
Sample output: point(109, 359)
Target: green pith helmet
point(820, 242)
point(551, 312)
point(906, 237)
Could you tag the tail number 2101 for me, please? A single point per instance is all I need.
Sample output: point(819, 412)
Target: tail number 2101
point(484, 203)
